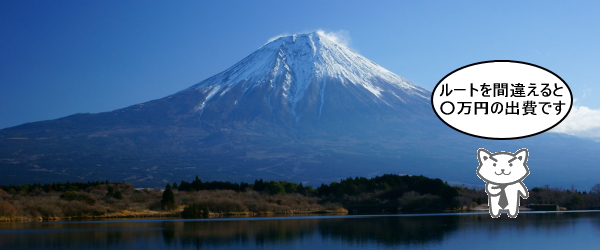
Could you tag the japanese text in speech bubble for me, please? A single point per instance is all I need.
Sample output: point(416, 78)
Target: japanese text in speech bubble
point(502, 99)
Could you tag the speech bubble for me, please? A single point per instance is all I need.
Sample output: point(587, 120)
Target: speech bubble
point(502, 99)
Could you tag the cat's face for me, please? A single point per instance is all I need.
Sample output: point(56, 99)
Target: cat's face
point(502, 167)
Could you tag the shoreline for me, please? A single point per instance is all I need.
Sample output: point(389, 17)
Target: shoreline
point(149, 214)
point(175, 216)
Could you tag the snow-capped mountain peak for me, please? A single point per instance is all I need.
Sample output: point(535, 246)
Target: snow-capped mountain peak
point(289, 65)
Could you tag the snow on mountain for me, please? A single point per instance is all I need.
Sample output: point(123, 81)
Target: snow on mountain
point(301, 108)
point(288, 65)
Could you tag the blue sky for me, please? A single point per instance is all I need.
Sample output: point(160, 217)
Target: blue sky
point(58, 58)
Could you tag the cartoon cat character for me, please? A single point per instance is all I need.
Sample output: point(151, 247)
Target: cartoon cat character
point(503, 173)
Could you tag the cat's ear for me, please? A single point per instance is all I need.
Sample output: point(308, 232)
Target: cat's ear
point(522, 155)
point(483, 155)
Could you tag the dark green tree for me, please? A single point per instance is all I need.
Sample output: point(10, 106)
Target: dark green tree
point(275, 188)
point(301, 190)
point(195, 211)
point(197, 184)
point(184, 186)
point(289, 187)
point(118, 195)
point(259, 185)
point(168, 199)
point(575, 201)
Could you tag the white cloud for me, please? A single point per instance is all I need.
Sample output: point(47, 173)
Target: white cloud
point(582, 122)
point(277, 36)
point(340, 37)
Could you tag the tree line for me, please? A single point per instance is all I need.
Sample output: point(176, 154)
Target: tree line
point(271, 187)
point(197, 198)
point(381, 193)
point(59, 187)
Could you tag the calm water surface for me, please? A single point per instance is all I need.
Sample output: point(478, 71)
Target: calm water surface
point(549, 230)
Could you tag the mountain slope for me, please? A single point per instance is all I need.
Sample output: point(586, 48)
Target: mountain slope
point(288, 68)
point(301, 108)
point(298, 83)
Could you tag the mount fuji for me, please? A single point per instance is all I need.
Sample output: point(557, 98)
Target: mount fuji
point(301, 108)
point(303, 82)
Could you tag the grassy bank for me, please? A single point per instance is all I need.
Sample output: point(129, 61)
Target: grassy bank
point(197, 199)
point(100, 202)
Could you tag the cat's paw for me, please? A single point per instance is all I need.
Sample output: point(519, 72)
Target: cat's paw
point(493, 189)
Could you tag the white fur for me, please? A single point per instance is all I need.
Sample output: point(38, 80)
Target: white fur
point(504, 168)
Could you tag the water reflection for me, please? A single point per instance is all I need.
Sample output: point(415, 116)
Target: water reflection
point(390, 230)
point(244, 232)
point(350, 231)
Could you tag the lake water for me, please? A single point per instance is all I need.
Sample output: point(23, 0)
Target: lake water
point(541, 230)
